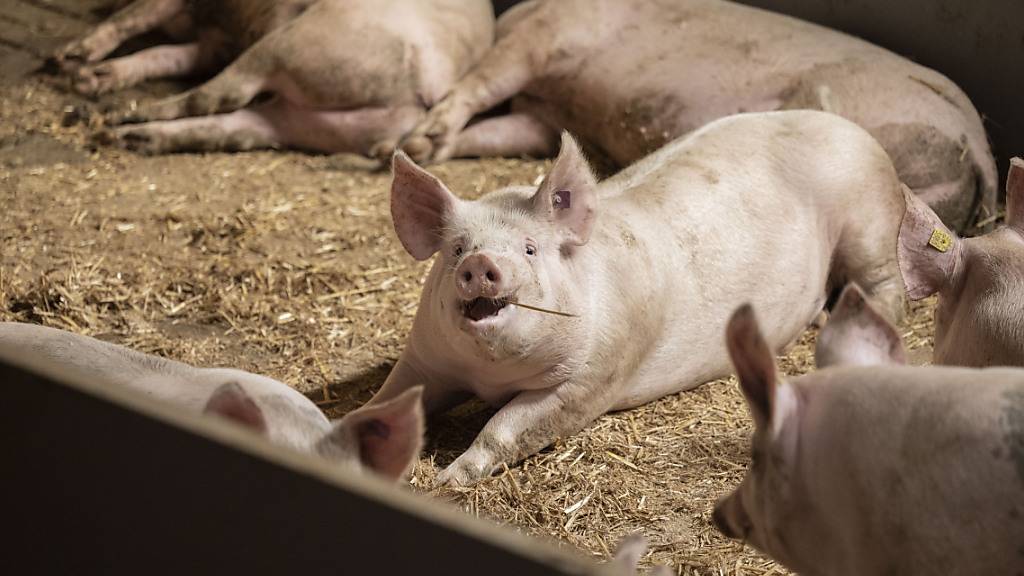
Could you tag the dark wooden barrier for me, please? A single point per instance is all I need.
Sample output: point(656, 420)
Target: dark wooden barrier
point(104, 481)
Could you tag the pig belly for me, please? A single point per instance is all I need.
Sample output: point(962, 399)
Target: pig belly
point(717, 266)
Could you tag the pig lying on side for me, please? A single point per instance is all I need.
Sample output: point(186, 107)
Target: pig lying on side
point(343, 75)
point(220, 31)
point(627, 76)
point(980, 281)
point(878, 470)
point(773, 207)
point(384, 438)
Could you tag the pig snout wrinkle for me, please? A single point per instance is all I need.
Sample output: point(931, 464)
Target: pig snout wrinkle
point(478, 276)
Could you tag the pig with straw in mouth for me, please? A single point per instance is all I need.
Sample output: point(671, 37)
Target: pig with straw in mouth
point(980, 281)
point(384, 439)
point(778, 208)
point(861, 469)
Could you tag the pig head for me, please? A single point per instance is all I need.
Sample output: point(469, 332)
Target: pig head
point(980, 281)
point(384, 438)
point(883, 469)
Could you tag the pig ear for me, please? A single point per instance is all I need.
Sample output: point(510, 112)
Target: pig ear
point(420, 206)
point(755, 365)
point(232, 402)
point(1015, 194)
point(856, 334)
point(771, 401)
point(568, 195)
point(389, 434)
point(628, 554)
point(927, 249)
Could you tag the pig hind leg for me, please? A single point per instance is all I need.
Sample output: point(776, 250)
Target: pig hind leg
point(233, 132)
point(235, 87)
point(136, 18)
point(157, 62)
point(275, 124)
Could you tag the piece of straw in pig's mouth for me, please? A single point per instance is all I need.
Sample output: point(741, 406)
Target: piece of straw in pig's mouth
point(480, 308)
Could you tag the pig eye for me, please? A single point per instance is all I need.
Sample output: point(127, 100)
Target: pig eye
point(531, 250)
point(457, 251)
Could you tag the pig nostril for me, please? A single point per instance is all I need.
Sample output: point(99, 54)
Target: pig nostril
point(490, 275)
point(467, 276)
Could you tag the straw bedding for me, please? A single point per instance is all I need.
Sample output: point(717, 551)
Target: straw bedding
point(286, 264)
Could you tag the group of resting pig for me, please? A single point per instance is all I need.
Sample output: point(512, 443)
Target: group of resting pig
point(768, 164)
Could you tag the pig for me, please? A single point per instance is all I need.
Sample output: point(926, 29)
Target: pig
point(220, 31)
point(777, 207)
point(341, 76)
point(980, 281)
point(879, 469)
point(627, 76)
point(857, 335)
point(384, 439)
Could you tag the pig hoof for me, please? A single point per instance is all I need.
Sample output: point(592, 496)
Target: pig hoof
point(104, 138)
point(419, 148)
point(73, 56)
point(95, 80)
point(383, 151)
point(460, 473)
point(118, 118)
point(137, 140)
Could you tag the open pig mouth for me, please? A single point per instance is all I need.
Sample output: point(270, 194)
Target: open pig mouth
point(480, 308)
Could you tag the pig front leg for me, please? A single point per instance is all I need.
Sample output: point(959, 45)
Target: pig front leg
point(532, 420)
point(157, 62)
point(132, 20)
point(437, 396)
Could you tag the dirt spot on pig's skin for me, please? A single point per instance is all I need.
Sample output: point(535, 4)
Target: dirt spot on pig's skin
point(924, 157)
point(1013, 425)
point(650, 120)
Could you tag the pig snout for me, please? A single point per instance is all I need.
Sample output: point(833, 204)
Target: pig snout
point(479, 277)
point(730, 518)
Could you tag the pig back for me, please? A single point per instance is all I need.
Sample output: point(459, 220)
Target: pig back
point(918, 469)
point(669, 68)
point(757, 208)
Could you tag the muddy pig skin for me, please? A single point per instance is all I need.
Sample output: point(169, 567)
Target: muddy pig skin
point(879, 469)
point(627, 76)
point(772, 207)
point(341, 76)
point(213, 32)
point(980, 281)
point(384, 439)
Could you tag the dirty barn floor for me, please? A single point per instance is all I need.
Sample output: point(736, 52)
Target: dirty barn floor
point(285, 264)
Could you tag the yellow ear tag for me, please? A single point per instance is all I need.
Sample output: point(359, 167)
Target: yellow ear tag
point(940, 240)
